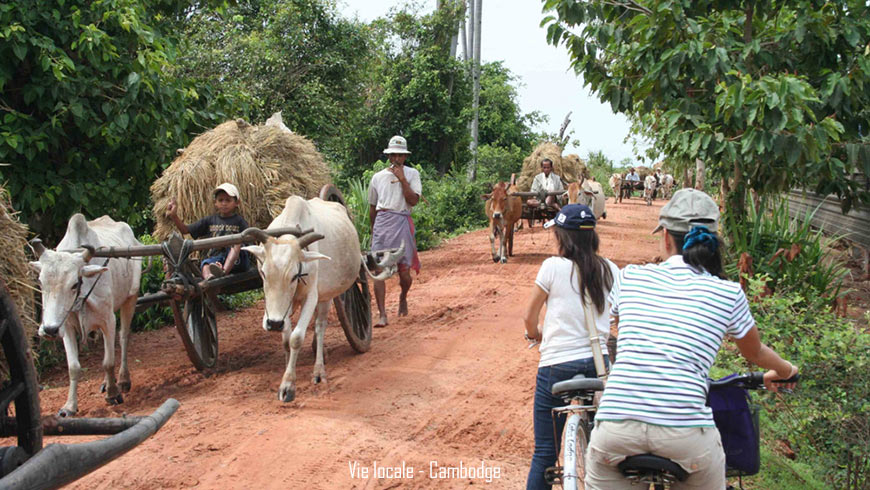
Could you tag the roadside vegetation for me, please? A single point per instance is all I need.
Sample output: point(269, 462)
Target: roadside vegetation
point(97, 97)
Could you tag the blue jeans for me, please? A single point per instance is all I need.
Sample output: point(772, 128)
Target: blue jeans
point(545, 442)
point(241, 264)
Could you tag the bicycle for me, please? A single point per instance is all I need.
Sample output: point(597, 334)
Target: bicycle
point(579, 394)
point(661, 472)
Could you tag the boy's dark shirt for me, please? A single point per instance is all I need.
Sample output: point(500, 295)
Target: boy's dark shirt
point(216, 225)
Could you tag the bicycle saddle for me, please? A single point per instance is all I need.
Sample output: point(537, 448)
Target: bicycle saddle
point(641, 464)
point(578, 383)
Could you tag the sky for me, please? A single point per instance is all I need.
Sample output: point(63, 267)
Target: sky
point(511, 33)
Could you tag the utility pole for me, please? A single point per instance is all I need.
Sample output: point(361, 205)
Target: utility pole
point(475, 75)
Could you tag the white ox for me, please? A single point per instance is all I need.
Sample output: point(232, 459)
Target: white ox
point(294, 277)
point(649, 189)
point(668, 186)
point(593, 196)
point(80, 295)
point(615, 182)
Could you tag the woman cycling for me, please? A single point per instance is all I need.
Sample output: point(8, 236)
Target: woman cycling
point(562, 282)
point(672, 318)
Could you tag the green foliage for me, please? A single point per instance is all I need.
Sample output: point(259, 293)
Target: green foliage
point(296, 56)
point(497, 163)
point(415, 89)
point(89, 111)
point(452, 206)
point(601, 167)
point(357, 202)
point(502, 122)
point(241, 300)
point(769, 235)
point(827, 419)
point(773, 94)
point(157, 316)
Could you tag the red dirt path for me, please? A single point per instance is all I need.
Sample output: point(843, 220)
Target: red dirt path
point(451, 382)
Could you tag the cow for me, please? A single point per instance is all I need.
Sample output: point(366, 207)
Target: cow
point(503, 211)
point(649, 188)
point(668, 186)
point(594, 198)
point(308, 272)
point(79, 296)
point(573, 193)
point(615, 183)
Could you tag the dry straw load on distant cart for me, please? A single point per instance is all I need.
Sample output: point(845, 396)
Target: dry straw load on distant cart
point(570, 168)
point(267, 163)
point(13, 264)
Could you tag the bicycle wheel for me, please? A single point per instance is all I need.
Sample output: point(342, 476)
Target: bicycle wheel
point(574, 453)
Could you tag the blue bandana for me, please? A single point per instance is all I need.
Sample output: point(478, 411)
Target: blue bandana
point(700, 235)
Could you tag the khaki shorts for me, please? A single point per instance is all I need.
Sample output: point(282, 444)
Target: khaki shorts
point(697, 449)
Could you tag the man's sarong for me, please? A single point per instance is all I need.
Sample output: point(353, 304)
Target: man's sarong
point(391, 228)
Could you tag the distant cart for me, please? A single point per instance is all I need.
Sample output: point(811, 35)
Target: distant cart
point(189, 296)
point(543, 211)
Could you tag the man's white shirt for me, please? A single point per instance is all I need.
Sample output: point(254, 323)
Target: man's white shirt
point(549, 184)
point(385, 191)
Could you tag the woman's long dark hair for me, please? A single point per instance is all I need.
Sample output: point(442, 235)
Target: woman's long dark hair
point(700, 256)
point(581, 247)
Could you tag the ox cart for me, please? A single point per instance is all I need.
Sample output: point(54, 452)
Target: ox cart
point(543, 211)
point(27, 465)
point(190, 297)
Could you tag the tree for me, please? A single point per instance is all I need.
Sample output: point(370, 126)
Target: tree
point(502, 122)
point(415, 89)
point(298, 56)
point(89, 113)
point(770, 94)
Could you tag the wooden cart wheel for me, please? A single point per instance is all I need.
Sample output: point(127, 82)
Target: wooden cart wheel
point(19, 391)
point(197, 326)
point(354, 309)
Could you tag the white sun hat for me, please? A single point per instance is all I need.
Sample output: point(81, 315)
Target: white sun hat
point(397, 145)
point(230, 189)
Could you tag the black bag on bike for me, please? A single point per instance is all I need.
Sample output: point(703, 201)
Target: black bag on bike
point(737, 422)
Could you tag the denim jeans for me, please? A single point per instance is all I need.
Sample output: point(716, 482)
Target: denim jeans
point(545, 442)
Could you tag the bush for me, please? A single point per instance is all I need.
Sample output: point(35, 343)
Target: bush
point(496, 163)
point(793, 256)
point(827, 419)
point(156, 316)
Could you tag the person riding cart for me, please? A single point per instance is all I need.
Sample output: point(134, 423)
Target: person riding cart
point(630, 183)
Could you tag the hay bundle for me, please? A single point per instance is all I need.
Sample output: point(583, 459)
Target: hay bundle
point(643, 172)
point(570, 167)
point(573, 169)
point(13, 264)
point(267, 163)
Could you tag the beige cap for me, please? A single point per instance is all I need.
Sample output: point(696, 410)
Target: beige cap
point(230, 189)
point(688, 208)
point(397, 144)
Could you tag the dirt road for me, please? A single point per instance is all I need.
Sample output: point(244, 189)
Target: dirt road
point(452, 383)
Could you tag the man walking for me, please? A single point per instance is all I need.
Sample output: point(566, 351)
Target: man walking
point(393, 192)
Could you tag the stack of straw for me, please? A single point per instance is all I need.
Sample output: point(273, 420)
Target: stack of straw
point(570, 168)
point(14, 268)
point(267, 163)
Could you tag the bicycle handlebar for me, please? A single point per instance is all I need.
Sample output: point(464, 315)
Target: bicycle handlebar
point(748, 381)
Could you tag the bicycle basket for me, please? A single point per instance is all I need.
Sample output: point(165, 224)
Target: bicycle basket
point(737, 422)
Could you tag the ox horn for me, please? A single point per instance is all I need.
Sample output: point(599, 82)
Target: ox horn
point(256, 233)
point(393, 258)
point(309, 238)
point(88, 252)
point(38, 247)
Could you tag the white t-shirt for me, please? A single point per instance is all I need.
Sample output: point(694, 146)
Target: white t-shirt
point(566, 337)
point(385, 191)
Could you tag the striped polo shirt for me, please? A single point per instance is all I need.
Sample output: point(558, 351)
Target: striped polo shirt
point(672, 320)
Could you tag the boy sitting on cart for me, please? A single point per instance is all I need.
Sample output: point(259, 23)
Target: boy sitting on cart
point(219, 261)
